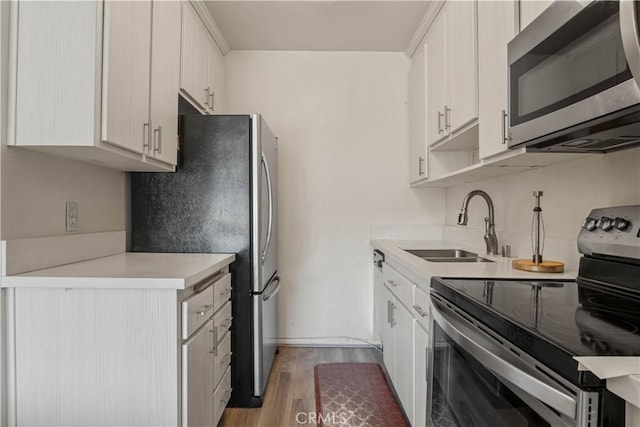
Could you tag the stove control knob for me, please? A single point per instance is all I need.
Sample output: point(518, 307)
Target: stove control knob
point(589, 224)
point(621, 224)
point(605, 223)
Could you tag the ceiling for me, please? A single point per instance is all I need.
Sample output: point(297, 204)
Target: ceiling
point(323, 25)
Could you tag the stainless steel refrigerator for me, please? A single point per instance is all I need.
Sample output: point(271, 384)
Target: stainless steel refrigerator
point(223, 198)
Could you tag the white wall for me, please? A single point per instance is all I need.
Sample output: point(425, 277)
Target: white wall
point(341, 120)
point(571, 190)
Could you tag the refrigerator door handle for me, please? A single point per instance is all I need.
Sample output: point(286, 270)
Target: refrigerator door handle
point(270, 192)
point(268, 295)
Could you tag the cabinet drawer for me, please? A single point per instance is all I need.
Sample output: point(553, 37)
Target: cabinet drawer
point(221, 396)
point(196, 310)
point(222, 321)
point(221, 291)
point(222, 358)
point(399, 285)
point(420, 308)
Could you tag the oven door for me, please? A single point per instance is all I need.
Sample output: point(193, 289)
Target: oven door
point(476, 381)
point(570, 67)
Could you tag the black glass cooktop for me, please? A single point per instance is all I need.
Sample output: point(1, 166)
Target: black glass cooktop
point(552, 320)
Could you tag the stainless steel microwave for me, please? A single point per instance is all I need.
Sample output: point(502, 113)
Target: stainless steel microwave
point(574, 77)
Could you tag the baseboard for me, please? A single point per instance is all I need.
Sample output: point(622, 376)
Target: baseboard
point(329, 342)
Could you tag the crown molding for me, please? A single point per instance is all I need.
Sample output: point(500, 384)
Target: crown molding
point(210, 25)
point(427, 20)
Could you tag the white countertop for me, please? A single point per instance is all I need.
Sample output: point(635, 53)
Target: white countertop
point(499, 269)
point(622, 374)
point(127, 270)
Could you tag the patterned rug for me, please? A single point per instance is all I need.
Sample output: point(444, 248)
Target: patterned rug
point(354, 395)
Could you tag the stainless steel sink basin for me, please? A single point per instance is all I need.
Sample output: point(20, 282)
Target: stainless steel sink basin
point(466, 259)
point(446, 255)
point(441, 253)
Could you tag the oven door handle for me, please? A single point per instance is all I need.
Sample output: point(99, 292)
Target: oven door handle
point(556, 399)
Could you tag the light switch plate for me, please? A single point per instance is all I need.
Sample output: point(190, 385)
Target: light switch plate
point(72, 216)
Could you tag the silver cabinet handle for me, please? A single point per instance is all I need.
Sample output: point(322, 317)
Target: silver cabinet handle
point(204, 310)
point(505, 126)
point(227, 322)
point(270, 195)
point(214, 338)
point(420, 164)
point(146, 142)
point(226, 359)
point(447, 117)
point(226, 397)
point(392, 282)
point(420, 311)
point(390, 317)
point(440, 115)
point(157, 141)
point(225, 292)
point(206, 98)
point(212, 96)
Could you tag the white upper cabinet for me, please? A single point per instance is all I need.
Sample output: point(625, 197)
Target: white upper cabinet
point(84, 70)
point(125, 74)
point(530, 9)
point(452, 76)
point(194, 72)
point(462, 64)
point(215, 67)
point(436, 70)
point(418, 166)
point(202, 70)
point(165, 77)
point(497, 23)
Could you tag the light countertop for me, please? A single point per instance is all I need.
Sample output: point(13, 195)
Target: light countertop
point(126, 270)
point(499, 269)
point(622, 374)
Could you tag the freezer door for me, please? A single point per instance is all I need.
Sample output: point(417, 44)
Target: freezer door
point(265, 333)
point(265, 203)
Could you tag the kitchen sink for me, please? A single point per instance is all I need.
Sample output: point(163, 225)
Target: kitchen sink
point(446, 255)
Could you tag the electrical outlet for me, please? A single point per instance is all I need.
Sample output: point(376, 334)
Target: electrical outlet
point(72, 216)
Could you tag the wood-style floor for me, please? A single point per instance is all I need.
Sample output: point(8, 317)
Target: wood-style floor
point(290, 389)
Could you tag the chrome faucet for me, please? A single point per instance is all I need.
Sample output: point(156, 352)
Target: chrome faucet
point(490, 238)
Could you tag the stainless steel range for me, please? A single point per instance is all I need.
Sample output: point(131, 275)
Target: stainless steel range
point(502, 350)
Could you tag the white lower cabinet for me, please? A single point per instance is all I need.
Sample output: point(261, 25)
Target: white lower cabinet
point(389, 336)
point(84, 356)
point(405, 340)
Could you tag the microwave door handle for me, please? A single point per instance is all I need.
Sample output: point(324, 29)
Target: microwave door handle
point(270, 193)
point(550, 396)
point(630, 32)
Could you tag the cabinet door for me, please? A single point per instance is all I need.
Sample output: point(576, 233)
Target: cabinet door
point(404, 359)
point(420, 344)
point(417, 115)
point(197, 378)
point(379, 303)
point(436, 79)
point(388, 335)
point(194, 79)
point(497, 25)
point(530, 9)
point(216, 77)
point(165, 81)
point(125, 74)
point(462, 64)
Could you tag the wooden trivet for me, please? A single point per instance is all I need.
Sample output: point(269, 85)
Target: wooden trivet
point(544, 267)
